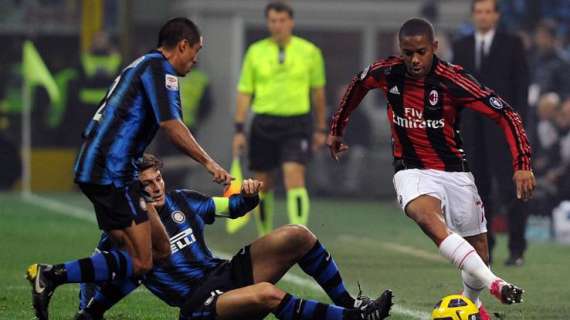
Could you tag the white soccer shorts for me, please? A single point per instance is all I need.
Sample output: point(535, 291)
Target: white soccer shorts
point(460, 202)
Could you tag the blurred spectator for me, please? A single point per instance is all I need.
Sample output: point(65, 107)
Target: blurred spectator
point(550, 70)
point(498, 60)
point(546, 150)
point(553, 184)
point(99, 67)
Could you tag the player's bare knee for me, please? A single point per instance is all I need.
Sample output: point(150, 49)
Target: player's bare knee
point(268, 295)
point(299, 237)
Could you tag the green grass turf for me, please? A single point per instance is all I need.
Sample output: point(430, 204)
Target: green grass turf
point(365, 238)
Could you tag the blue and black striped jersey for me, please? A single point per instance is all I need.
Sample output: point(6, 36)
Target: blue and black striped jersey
point(184, 215)
point(143, 95)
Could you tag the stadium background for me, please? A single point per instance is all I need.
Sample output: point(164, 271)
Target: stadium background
point(352, 210)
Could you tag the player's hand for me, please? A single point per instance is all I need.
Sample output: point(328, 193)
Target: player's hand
point(220, 174)
point(250, 187)
point(336, 146)
point(239, 144)
point(525, 184)
point(319, 140)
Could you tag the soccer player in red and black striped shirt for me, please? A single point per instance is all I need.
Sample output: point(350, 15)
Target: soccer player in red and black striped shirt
point(433, 183)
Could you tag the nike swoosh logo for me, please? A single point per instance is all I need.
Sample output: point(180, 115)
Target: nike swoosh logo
point(38, 288)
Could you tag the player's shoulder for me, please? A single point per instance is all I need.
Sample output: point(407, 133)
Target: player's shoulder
point(386, 65)
point(447, 69)
point(187, 195)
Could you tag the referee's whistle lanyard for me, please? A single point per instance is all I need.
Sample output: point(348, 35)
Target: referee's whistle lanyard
point(281, 55)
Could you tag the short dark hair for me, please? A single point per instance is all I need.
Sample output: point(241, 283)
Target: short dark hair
point(417, 27)
point(279, 7)
point(473, 2)
point(177, 29)
point(148, 161)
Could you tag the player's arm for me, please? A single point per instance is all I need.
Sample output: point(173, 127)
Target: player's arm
point(162, 90)
point(471, 94)
point(242, 106)
point(182, 138)
point(238, 205)
point(233, 207)
point(361, 83)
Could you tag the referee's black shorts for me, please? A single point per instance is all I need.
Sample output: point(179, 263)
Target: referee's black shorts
point(274, 140)
point(117, 208)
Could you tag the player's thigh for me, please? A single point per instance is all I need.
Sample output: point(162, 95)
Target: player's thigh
point(138, 238)
point(421, 197)
point(116, 208)
point(275, 253)
point(293, 174)
point(426, 211)
point(465, 213)
point(251, 302)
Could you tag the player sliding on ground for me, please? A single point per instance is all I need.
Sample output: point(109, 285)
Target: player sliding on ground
point(432, 180)
point(143, 99)
point(205, 287)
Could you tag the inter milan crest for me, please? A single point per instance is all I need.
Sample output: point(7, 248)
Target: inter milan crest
point(433, 98)
point(178, 217)
point(496, 103)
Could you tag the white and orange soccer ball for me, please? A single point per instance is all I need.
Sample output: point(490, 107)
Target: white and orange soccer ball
point(455, 307)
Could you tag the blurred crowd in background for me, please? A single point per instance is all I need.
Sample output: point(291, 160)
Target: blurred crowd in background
point(84, 69)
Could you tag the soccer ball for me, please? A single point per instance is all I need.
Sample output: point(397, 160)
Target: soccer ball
point(455, 307)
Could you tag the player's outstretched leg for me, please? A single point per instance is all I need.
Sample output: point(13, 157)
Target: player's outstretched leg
point(427, 213)
point(100, 267)
point(292, 307)
point(256, 301)
point(464, 256)
point(319, 264)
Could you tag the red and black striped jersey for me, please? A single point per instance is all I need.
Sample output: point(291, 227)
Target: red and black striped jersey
point(424, 114)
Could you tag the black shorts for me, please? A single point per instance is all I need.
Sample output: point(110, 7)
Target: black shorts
point(117, 208)
point(274, 140)
point(230, 275)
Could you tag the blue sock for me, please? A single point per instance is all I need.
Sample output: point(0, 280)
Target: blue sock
point(104, 266)
point(319, 264)
point(292, 307)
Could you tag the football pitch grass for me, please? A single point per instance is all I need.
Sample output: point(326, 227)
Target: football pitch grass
point(372, 242)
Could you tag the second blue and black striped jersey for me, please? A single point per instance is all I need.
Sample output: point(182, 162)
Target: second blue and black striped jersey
point(145, 94)
point(184, 215)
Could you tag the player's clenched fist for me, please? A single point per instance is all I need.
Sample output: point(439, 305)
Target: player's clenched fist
point(336, 147)
point(250, 187)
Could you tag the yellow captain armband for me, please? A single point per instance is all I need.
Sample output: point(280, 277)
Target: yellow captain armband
point(222, 205)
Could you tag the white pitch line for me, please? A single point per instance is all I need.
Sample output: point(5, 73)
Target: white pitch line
point(408, 250)
point(60, 207)
point(86, 215)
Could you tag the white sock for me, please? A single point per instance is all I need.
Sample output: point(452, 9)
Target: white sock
point(472, 287)
point(463, 256)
